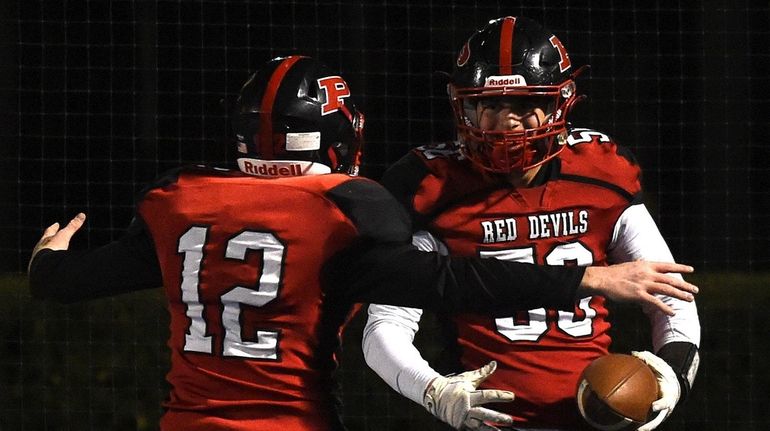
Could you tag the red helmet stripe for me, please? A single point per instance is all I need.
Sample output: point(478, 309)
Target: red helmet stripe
point(266, 109)
point(506, 44)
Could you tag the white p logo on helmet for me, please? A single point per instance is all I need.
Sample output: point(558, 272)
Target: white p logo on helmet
point(336, 90)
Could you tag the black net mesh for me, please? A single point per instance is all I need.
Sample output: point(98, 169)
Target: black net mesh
point(99, 97)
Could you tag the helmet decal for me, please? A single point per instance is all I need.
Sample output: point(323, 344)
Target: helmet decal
point(564, 63)
point(506, 44)
point(465, 54)
point(265, 143)
point(336, 90)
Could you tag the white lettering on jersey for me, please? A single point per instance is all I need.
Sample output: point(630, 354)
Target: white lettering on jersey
point(581, 136)
point(500, 230)
point(558, 224)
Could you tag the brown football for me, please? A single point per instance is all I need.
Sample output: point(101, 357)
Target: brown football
point(616, 392)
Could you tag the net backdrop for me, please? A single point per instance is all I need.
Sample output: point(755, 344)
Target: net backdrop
point(99, 97)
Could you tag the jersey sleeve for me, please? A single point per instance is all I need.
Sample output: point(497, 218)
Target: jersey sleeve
point(636, 236)
point(122, 266)
point(399, 274)
point(372, 210)
point(125, 265)
point(403, 180)
point(674, 338)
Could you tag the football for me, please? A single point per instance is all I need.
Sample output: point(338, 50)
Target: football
point(616, 392)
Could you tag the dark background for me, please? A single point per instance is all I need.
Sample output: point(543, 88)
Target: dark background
point(99, 97)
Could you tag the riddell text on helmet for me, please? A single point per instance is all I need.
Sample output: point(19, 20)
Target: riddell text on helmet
point(506, 80)
point(274, 170)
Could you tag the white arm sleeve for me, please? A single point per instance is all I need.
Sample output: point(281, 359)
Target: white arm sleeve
point(636, 237)
point(388, 338)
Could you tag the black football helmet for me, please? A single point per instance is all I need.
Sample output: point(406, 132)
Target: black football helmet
point(513, 57)
point(296, 109)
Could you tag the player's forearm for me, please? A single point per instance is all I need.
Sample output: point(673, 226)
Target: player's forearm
point(398, 274)
point(513, 285)
point(59, 275)
point(69, 276)
point(388, 350)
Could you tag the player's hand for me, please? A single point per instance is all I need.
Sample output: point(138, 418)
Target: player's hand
point(639, 282)
point(668, 386)
point(57, 239)
point(455, 400)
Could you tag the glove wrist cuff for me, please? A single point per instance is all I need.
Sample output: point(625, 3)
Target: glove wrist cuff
point(429, 398)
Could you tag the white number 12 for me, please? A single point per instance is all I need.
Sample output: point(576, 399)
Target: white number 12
point(191, 244)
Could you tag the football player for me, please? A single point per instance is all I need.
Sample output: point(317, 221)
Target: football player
point(261, 265)
point(522, 184)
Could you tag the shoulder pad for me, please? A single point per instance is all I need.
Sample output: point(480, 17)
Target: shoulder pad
point(172, 176)
point(596, 140)
point(429, 179)
point(593, 154)
point(166, 178)
point(374, 211)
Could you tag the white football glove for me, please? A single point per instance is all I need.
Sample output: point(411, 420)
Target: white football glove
point(455, 400)
point(668, 386)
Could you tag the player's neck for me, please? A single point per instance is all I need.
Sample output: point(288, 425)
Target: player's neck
point(524, 179)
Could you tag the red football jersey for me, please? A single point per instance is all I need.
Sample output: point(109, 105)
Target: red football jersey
point(566, 218)
point(252, 334)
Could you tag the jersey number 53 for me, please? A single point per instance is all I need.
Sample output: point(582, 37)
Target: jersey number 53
point(537, 325)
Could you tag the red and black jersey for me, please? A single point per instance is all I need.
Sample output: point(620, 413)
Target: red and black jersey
point(566, 218)
point(252, 333)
